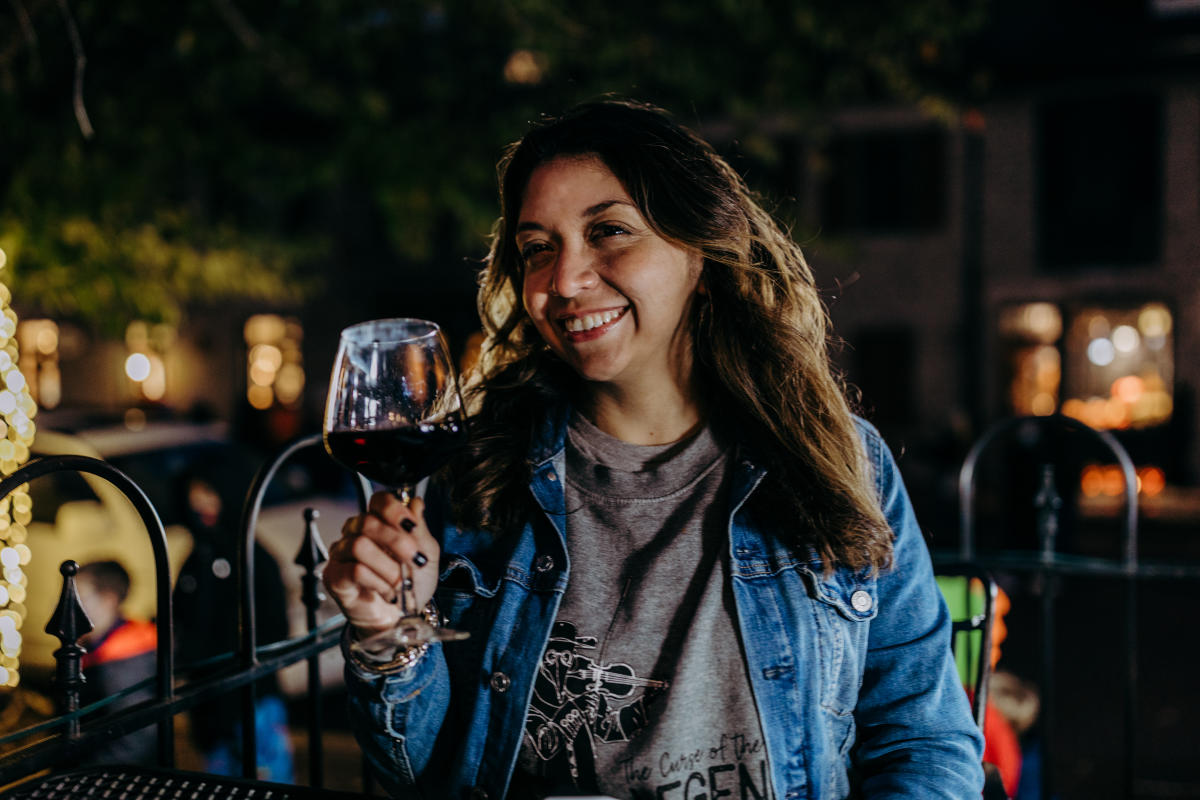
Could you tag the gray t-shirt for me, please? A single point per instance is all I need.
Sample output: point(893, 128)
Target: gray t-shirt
point(643, 689)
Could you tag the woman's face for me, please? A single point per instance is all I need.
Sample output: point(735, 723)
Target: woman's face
point(609, 295)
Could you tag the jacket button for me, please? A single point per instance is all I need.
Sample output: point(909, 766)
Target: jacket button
point(551, 476)
point(544, 563)
point(500, 682)
point(861, 600)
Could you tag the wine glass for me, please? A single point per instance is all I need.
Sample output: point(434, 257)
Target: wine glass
point(394, 414)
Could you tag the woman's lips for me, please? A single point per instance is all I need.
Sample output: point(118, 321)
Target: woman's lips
point(584, 327)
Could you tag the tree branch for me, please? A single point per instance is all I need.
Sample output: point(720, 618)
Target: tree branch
point(81, 115)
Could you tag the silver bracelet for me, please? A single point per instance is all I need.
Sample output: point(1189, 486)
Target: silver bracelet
point(392, 658)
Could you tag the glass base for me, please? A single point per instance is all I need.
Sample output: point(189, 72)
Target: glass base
point(410, 631)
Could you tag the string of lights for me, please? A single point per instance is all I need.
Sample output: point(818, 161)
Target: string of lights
point(17, 429)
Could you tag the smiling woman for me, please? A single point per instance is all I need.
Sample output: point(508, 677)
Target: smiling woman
point(684, 564)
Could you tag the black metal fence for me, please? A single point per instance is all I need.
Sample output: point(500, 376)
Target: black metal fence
point(58, 743)
point(1114, 585)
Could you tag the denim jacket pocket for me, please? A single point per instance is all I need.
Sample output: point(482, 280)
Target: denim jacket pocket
point(465, 602)
point(845, 605)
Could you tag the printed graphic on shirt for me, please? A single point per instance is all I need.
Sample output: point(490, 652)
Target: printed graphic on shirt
point(733, 765)
point(579, 701)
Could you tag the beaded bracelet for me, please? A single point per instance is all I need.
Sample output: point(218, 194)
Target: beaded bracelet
point(391, 658)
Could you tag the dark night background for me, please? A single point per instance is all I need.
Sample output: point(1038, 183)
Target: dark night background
point(942, 163)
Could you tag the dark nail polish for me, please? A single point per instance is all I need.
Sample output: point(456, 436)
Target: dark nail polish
point(408, 584)
point(407, 525)
point(420, 559)
point(395, 599)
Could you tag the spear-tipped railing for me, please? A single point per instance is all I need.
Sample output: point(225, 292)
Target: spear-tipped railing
point(54, 743)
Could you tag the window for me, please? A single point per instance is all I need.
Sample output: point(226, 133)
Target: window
point(1100, 181)
point(1110, 365)
point(1030, 335)
point(1120, 366)
point(886, 182)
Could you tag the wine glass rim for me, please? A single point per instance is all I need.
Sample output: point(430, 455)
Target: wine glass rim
point(417, 329)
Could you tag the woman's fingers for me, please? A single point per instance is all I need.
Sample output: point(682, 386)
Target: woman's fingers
point(362, 593)
point(427, 548)
point(400, 528)
point(411, 542)
point(395, 512)
point(377, 551)
point(379, 568)
point(387, 506)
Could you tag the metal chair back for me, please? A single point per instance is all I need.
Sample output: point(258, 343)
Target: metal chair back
point(970, 594)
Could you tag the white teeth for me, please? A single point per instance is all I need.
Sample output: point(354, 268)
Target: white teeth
point(589, 321)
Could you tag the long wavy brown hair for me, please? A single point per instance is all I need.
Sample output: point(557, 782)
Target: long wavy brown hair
point(761, 340)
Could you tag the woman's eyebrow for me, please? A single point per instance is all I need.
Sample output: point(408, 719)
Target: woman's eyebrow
point(592, 211)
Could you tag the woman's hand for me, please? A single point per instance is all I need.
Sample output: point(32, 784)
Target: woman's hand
point(364, 570)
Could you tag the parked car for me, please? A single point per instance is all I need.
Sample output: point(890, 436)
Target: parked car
point(85, 518)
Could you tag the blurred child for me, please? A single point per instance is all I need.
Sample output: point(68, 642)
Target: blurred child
point(120, 653)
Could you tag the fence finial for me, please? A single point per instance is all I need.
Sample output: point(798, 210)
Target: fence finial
point(68, 623)
point(313, 552)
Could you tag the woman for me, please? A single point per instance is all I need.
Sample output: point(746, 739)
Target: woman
point(686, 568)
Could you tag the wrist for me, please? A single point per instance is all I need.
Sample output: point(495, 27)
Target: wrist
point(375, 652)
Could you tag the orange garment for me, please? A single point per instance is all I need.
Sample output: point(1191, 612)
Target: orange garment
point(1002, 748)
point(130, 638)
point(999, 628)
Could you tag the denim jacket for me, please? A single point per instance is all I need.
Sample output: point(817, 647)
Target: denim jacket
point(851, 672)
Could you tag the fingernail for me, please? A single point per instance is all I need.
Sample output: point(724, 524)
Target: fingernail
point(420, 559)
point(395, 599)
point(408, 584)
point(408, 525)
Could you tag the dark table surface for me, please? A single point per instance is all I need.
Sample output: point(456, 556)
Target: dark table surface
point(157, 783)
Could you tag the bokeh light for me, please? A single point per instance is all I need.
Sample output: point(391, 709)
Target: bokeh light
point(137, 367)
point(1100, 352)
point(1125, 338)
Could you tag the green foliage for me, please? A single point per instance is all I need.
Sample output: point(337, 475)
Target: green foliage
point(111, 275)
point(246, 148)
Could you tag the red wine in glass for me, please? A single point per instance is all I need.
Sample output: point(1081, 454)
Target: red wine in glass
point(394, 414)
point(398, 456)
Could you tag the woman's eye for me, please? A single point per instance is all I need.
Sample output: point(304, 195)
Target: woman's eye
point(533, 249)
point(607, 229)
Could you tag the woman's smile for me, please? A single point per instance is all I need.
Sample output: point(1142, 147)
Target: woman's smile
point(591, 325)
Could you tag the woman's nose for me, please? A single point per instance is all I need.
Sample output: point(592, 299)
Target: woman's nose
point(575, 272)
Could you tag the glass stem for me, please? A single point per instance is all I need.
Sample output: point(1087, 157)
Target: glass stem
point(404, 591)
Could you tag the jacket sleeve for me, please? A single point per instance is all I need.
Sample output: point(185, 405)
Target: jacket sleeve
point(916, 734)
point(396, 718)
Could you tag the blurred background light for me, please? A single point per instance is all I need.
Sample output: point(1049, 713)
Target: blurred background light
point(1100, 352)
point(137, 367)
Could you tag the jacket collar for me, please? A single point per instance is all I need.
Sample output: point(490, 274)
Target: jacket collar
point(755, 549)
point(551, 436)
